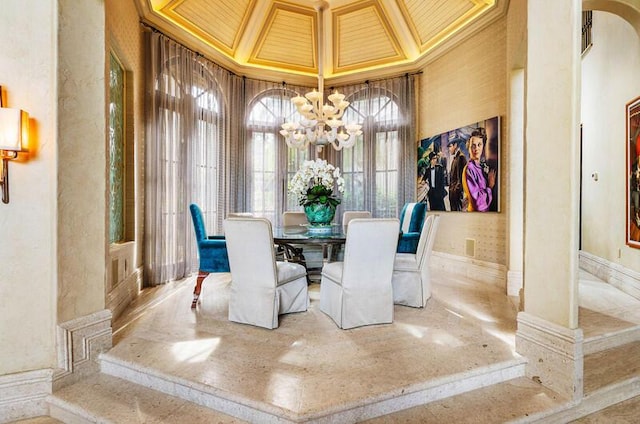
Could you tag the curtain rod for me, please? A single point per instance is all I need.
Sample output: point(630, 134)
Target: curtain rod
point(199, 54)
point(367, 81)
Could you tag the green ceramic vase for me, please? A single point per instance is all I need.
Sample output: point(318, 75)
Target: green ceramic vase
point(320, 214)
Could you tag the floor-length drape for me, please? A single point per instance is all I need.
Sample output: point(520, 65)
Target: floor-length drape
point(381, 168)
point(189, 152)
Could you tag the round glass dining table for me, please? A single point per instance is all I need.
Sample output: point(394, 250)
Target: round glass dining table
point(294, 238)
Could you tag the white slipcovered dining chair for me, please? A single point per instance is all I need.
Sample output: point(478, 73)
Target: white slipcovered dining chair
point(358, 290)
point(411, 277)
point(290, 218)
point(261, 287)
point(290, 252)
point(349, 215)
point(240, 215)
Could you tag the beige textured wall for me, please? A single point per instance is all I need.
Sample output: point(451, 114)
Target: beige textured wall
point(27, 223)
point(466, 85)
point(81, 215)
point(124, 38)
point(609, 81)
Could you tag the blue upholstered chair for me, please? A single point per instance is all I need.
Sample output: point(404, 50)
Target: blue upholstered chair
point(411, 220)
point(212, 251)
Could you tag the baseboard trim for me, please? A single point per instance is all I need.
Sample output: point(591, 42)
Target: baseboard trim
point(124, 293)
point(23, 395)
point(486, 272)
point(622, 278)
point(514, 283)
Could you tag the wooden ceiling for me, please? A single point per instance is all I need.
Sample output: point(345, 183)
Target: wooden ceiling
point(296, 40)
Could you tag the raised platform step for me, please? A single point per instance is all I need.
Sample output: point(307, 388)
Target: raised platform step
point(519, 400)
point(308, 370)
point(608, 317)
point(253, 410)
point(611, 339)
point(105, 399)
point(610, 377)
point(611, 367)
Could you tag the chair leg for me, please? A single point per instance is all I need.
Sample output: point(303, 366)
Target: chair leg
point(198, 288)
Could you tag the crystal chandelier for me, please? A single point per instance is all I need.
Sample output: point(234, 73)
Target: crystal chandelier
point(320, 124)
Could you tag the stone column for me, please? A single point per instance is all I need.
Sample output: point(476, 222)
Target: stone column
point(547, 329)
point(516, 182)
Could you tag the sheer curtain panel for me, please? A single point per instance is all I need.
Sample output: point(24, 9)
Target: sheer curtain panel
point(188, 153)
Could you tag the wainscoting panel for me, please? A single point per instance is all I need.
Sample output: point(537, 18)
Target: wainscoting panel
point(80, 341)
point(622, 278)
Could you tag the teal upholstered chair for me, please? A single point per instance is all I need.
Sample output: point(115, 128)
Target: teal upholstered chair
point(411, 220)
point(212, 251)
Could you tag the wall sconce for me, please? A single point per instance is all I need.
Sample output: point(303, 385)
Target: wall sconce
point(14, 130)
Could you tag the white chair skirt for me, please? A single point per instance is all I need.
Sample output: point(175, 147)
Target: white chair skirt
point(348, 310)
point(261, 306)
point(411, 286)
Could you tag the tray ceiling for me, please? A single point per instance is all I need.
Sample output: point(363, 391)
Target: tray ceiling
point(294, 38)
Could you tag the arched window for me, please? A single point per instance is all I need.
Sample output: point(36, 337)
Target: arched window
point(371, 167)
point(205, 150)
point(379, 170)
point(271, 163)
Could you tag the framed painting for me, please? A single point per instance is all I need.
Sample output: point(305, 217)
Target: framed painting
point(458, 170)
point(633, 173)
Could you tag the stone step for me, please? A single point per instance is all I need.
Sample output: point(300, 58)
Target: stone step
point(520, 400)
point(105, 399)
point(605, 330)
point(252, 410)
point(611, 367)
point(610, 377)
point(610, 340)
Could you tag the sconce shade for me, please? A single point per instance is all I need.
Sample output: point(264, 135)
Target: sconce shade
point(14, 129)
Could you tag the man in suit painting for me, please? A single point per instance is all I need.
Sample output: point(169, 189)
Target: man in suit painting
point(434, 176)
point(458, 162)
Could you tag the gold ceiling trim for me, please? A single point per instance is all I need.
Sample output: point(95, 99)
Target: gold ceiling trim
point(170, 11)
point(398, 54)
point(401, 33)
point(478, 8)
point(258, 57)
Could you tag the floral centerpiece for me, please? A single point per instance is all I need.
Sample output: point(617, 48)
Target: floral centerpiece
point(314, 185)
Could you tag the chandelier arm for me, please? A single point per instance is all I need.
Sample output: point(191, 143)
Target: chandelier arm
point(317, 116)
point(337, 146)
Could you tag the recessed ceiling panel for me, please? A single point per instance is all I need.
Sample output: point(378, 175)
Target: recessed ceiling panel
point(251, 36)
point(433, 21)
point(288, 39)
point(363, 37)
point(220, 24)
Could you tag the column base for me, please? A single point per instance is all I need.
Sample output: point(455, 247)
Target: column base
point(554, 353)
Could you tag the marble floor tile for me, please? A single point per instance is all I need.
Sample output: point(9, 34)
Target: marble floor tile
point(309, 365)
point(308, 362)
